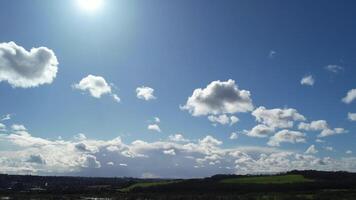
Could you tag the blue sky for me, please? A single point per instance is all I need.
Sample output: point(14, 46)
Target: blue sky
point(174, 48)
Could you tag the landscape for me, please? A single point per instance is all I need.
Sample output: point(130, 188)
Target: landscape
point(178, 99)
point(290, 185)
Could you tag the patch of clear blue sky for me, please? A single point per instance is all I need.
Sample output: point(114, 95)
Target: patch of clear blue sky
point(175, 47)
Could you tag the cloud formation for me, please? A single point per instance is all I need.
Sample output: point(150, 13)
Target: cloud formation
point(350, 96)
point(219, 97)
point(260, 131)
point(183, 159)
point(311, 150)
point(320, 125)
point(307, 80)
point(351, 116)
point(277, 118)
point(154, 127)
point(96, 86)
point(25, 69)
point(223, 119)
point(145, 93)
point(334, 68)
point(286, 136)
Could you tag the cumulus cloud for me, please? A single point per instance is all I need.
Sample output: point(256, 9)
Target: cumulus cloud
point(22, 68)
point(145, 93)
point(204, 157)
point(350, 96)
point(351, 116)
point(2, 127)
point(348, 152)
point(6, 117)
point(178, 138)
point(96, 86)
point(223, 119)
point(154, 127)
point(286, 136)
point(219, 97)
point(233, 136)
point(311, 150)
point(169, 152)
point(260, 131)
point(320, 125)
point(307, 80)
point(18, 127)
point(334, 68)
point(277, 118)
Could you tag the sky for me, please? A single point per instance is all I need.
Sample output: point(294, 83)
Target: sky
point(176, 89)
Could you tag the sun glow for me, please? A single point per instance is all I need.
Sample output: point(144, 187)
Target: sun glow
point(90, 5)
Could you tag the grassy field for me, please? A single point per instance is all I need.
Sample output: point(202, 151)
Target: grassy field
point(145, 184)
point(283, 179)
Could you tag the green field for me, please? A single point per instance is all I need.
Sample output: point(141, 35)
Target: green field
point(145, 184)
point(283, 179)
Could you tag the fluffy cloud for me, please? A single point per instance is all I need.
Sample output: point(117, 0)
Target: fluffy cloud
point(96, 86)
point(277, 118)
point(351, 116)
point(21, 68)
point(260, 131)
point(6, 117)
point(233, 136)
point(286, 136)
point(206, 157)
point(154, 127)
point(307, 80)
point(350, 96)
point(2, 127)
point(311, 150)
point(334, 68)
point(145, 93)
point(219, 97)
point(178, 138)
point(320, 125)
point(223, 119)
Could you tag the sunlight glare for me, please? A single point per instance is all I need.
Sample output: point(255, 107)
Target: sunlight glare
point(90, 5)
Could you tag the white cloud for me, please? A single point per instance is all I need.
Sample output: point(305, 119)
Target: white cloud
point(348, 152)
point(286, 136)
point(154, 127)
point(313, 126)
point(21, 68)
point(329, 148)
point(351, 116)
point(157, 120)
point(2, 127)
point(169, 152)
point(219, 97)
point(203, 158)
point(96, 86)
point(307, 80)
point(334, 68)
point(178, 138)
point(259, 130)
point(277, 118)
point(351, 96)
point(18, 127)
point(311, 150)
point(329, 132)
point(145, 93)
point(234, 136)
point(320, 125)
point(223, 119)
point(6, 117)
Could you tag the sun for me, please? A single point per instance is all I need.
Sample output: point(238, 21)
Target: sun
point(90, 5)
